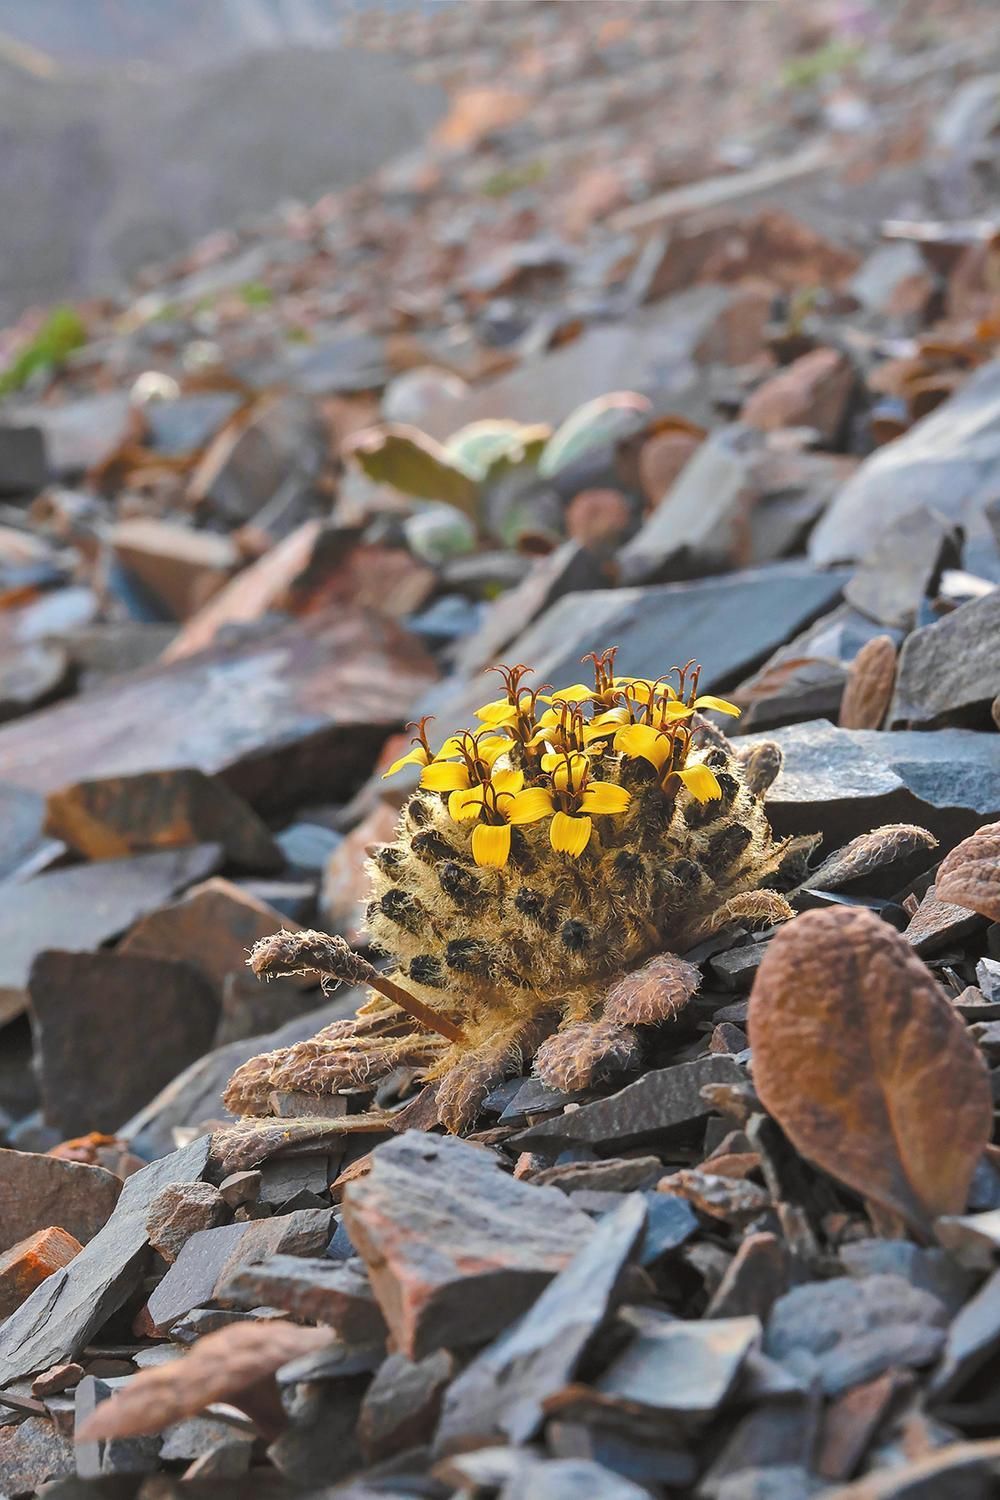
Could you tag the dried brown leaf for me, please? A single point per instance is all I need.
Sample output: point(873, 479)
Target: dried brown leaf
point(656, 992)
point(862, 1061)
point(222, 1366)
point(870, 680)
point(870, 852)
point(970, 875)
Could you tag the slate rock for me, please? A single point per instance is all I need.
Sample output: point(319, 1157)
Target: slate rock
point(36, 1191)
point(31, 1261)
point(661, 1101)
point(85, 905)
point(61, 1316)
point(679, 1369)
point(571, 1479)
point(844, 1332)
point(92, 1016)
point(321, 1444)
point(23, 464)
point(938, 924)
point(843, 782)
point(310, 1290)
point(120, 815)
point(32, 674)
point(209, 1258)
point(402, 1404)
point(929, 1268)
point(305, 708)
point(181, 1210)
point(949, 672)
point(903, 568)
point(454, 1247)
point(946, 462)
point(757, 1276)
point(32, 1453)
point(973, 1339)
point(505, 1386)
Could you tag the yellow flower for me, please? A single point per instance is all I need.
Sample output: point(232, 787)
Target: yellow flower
point(418, 756)
point(501, 802)
point(574, 800)
point(478, 752)
point(578, 693)
point(643, 742)
point(720, 705)
point(502, 712)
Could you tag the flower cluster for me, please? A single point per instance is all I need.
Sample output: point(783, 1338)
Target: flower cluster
point(559, 755)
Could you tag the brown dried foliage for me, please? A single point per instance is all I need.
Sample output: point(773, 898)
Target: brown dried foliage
point(654, 993)
point(864, 1064)
point(870, 852)
point(970, 875)
point(234, 1364)
point(870, 681)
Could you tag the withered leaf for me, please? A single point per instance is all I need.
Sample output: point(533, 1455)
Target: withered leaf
point(234, 1364)
point(870, 852)
point(862, 1061)
point(870, 681)
point(970, 875)
point(653, 993)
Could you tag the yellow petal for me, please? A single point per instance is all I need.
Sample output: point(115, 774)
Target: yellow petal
point(721, 705)
point(491, 747)
point(445, 776)
point(463, 805)
point(491, 844)
point(701, 783)
point(643, 742)
point(568, 772)
point(415, 757)
point(507, 781)
point(669, 708)
point(605, 797)
point(528, 806)
point(612, 716)
point(500, 712)
point(451, 747)
point(569, 835)
point(578, 693)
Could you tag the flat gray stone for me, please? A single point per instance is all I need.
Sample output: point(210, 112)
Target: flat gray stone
point(679, 1368)
point(903, 568)
point(949, 672)
point(62, 1315)
point(37, 1190)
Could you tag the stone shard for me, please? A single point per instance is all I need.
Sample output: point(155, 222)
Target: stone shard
point(62, 1315)
point(454, 1247)
point(30, 1262)
point(680, 1369)
point(36, 1191)
point(93, 1015)
point(903, 569)
point(337, 1294)
point(949, 672)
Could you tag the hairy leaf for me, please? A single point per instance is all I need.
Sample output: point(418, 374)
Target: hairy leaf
point(970, 874)
point(862, 1061)
point(870, 852)
point(869, 685)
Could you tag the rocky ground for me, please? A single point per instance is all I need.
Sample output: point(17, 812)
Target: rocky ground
point(721, 287)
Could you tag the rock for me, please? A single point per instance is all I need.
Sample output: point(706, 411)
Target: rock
point(569, 569)
point(757, 1276)
point(122, 815)
point(307, 846)
point(181, 1210)
point(946, 462)
point(662, 1100)
point(31, 1261)
point(178, 567)
point(90, 1014)
point(571, 1479)
point(678, 1369)
point(844, 1332)
point(267, 715)
point(240, 1187)
point(60, 1317)
point(86, 905)
point(33, 1454)
point(661, 460)
point(973, 1339)
point(336, 1294)
point(212, 928)
point(24, 468)
point(343, 896)
point(931, 1269)
point(59, 1378)
point(813, 391)
point(402, 1404)
point(210, 1257)
point(955, 1469)
point(843, 782)
point(937, 924)
point(598, 519)
point(903, 569)
point(250, 462)
point(949, 672)
point(32, 675)
point(454, 1247)
point(250, 1008)
point(504, 1389)
point(36, 1191)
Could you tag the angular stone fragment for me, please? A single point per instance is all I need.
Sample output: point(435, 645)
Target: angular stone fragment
point(957, 1469)
point(663, 1100)
point(903, 569)
point(34, 1453)
point(337, 1294)
point(178, 566)
point(210, 1257)
point(30, 1262)
point(949, 672)
point(454, 1247)
point(757, 1276)
point(344, 891)
point(122, 815)
point(36, 1191)
point(677, 1368)
point(973, 1338)
point(402, 1404)
point(181, 1210)
point(93, 1014)
point(813, 391)
point(85, 905)
point(937, 924)
point(62, 1315)
point(504, 1388)
point(306, 707)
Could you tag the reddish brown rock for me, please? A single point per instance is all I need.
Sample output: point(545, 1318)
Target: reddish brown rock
point(59, 1378)
point(813, 391)
point(662, 459)
point(181, 1210)
point(180, 567)
point(598, 519)
point(121, 815)
point(39, 1191)
point(344, 892)
point(28, 1263)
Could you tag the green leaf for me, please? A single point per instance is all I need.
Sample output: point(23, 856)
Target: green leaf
point(410, 461)
point(481, 445)
point(597, 424)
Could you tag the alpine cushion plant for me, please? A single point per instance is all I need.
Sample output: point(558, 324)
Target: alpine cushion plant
point(570, 838)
